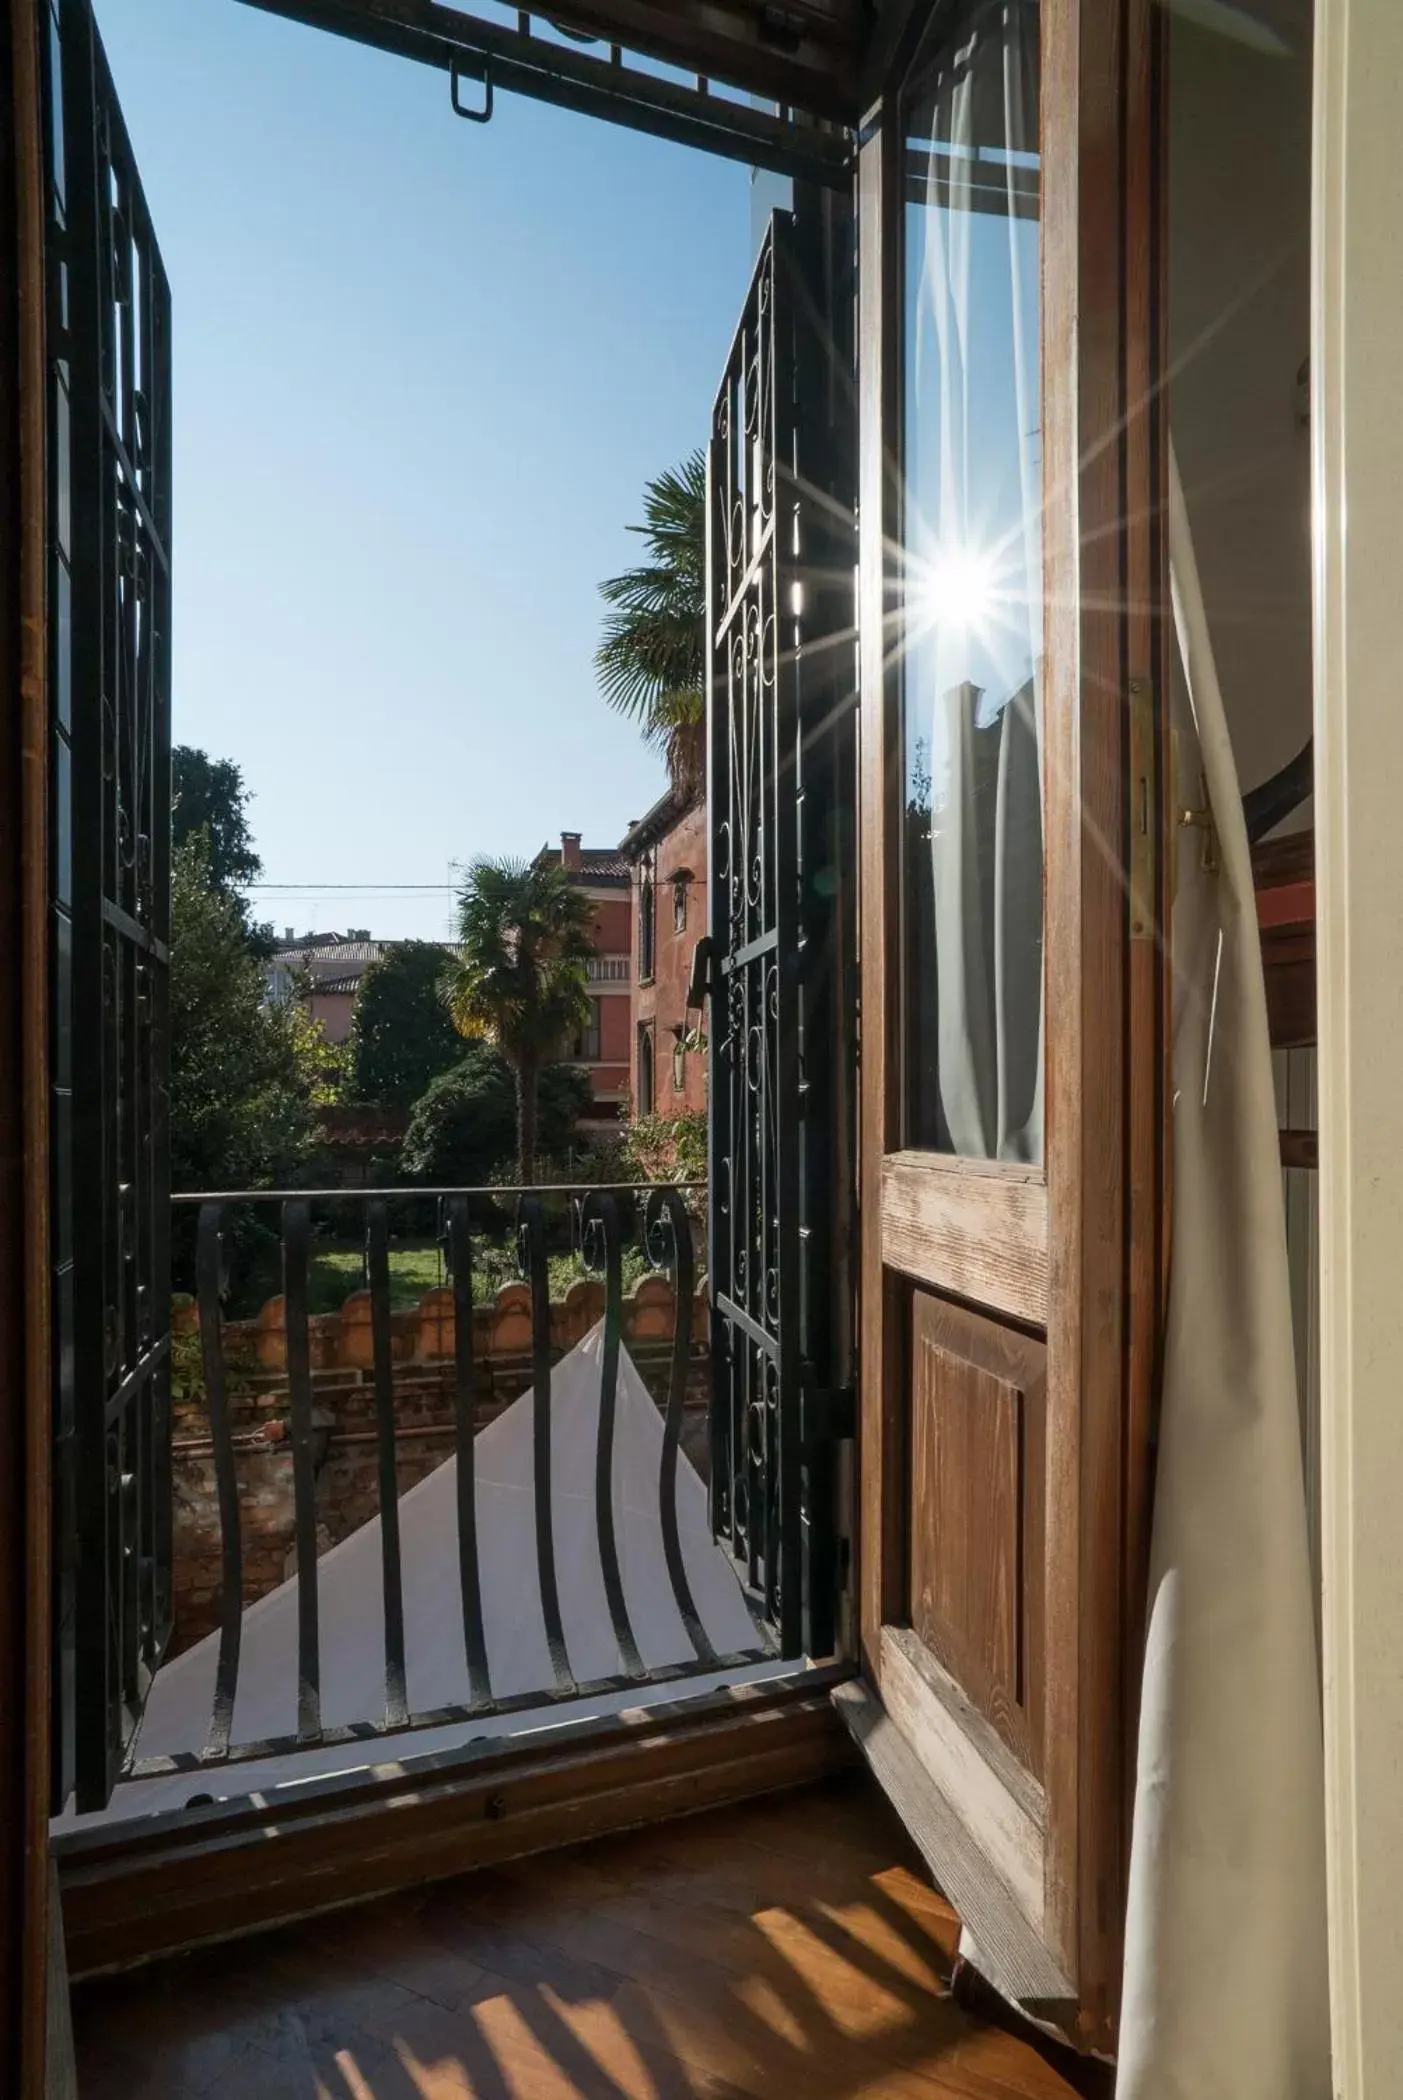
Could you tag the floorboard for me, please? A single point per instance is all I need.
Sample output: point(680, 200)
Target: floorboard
point(786, 1949)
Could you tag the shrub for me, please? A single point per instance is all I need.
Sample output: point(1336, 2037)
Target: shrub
point(462, 1133)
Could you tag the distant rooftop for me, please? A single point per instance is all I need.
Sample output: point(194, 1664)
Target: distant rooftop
point(601, 867)
point(337, 947)
point(669, 810)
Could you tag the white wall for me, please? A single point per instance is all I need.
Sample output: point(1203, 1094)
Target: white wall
point(1357, 358)
point(1239, 331)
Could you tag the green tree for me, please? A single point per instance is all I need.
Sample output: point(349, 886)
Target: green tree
point(651, 662)
point(403, 1034)
point(208, 795)
point(462, 1131)
point(240, 1085)
point(323, 1067)
point(525, 935)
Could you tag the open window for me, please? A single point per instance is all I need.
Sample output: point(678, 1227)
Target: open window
point(584, 1047)
point(647, 1085)
point(647, 924)
point(1012, 1058)
point(780, 781)
point(937, 999)
point(108, 322)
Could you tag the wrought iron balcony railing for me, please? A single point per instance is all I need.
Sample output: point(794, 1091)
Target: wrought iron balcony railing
point(592, 1234)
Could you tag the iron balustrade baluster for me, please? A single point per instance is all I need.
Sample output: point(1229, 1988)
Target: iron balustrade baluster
point(464, 1413)
point(599, 1237)
point(377, 1251)
point(667, 1234)
point(209, 1286)
point(531, 1241)
point(297, 1234)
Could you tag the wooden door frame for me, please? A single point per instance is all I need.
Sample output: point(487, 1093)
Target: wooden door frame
point(1106, 1152)
point(1357, 456)
point(24, 1303)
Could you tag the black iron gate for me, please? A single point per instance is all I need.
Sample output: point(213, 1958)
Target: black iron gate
point(108, 321)
point(781, 716)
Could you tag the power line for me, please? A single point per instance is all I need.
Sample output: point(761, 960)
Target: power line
point(360, 889)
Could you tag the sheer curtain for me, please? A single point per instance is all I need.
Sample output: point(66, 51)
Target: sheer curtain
point(1225, 1956)
point(974, 576)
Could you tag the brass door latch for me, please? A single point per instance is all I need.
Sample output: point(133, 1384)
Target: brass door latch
point(1202, 820)
point(1194, 816)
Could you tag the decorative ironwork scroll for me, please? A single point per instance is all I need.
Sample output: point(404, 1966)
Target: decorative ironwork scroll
point(780, 687)
point(108, 324)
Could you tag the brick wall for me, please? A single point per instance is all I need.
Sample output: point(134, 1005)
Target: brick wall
point(661, 1004)
point(347, 1481)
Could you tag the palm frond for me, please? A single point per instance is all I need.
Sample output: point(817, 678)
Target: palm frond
point(525, 937)
point(651, 658)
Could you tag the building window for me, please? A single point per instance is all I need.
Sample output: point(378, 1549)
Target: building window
point(647, 929)
point(645, 1071)
point(679, 903)
point(585, 1048)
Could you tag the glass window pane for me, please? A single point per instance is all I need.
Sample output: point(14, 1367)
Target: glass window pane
point(972, 589)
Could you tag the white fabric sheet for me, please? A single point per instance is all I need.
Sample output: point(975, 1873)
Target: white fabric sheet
point(351, 1608)
point(1225, 1993)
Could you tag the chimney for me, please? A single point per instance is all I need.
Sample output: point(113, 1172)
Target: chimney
point(570, 849)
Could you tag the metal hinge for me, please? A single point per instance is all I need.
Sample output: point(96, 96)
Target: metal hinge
point(827, 1414)
point(1143, 809)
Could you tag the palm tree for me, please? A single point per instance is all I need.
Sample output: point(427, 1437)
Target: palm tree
point(652, 660)
point(525, 935)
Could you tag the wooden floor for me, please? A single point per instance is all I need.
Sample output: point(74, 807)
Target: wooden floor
point(791, 1947)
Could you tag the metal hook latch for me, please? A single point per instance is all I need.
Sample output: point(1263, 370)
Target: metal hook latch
point(1192, 817)
point(1202, 820)
point(455, 78)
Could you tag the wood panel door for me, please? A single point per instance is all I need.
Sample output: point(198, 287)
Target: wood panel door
point(1013, 981)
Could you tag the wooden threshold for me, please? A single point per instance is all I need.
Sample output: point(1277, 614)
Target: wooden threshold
point(969, 1762)
point(1011, 1954)
point(187, 1877)
point(976, 1231)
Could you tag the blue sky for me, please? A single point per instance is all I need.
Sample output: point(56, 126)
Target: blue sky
point(422, 371)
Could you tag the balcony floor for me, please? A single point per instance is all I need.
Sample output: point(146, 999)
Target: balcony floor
point(789, 1947)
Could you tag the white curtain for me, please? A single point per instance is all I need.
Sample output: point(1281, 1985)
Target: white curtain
point(1225, 1993)
point(974, 579)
